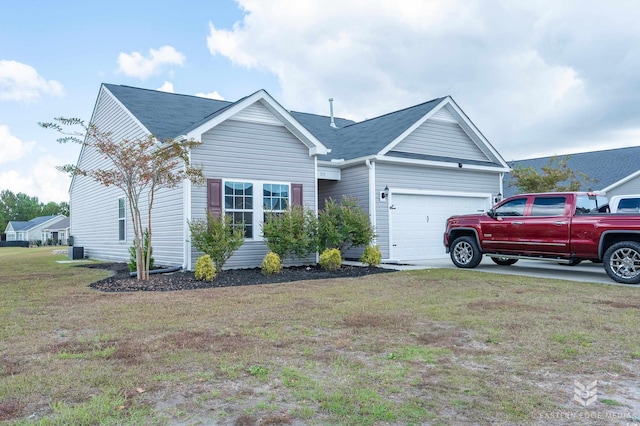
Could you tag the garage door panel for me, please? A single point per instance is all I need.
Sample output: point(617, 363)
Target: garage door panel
point(418, 223)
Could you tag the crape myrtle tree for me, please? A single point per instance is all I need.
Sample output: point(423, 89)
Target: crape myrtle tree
point(555, 176)
point(139, 167)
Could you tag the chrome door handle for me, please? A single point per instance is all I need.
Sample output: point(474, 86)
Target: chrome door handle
point(517, 222)
point(559, 223)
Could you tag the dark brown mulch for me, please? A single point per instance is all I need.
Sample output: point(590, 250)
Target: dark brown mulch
point(185, 280)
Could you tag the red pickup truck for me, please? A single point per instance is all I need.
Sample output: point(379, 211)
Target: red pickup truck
point(566, 227)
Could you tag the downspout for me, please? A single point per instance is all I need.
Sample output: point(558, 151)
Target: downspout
point(186, 246)
point(186, 209)
point(372, 194)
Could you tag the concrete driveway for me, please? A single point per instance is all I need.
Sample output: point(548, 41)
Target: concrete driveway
point(585, 272)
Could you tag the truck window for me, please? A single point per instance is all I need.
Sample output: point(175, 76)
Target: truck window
point(586, 204)
point(512, 208)
point(629, 205)
point(548, 206)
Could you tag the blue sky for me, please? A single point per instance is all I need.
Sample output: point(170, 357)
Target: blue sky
point(537, 77)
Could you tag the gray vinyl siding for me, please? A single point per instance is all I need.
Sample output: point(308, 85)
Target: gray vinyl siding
point(425, 179)
point(354, 183)
point(630, 187)
point(244, 151)
point(441, 139)
point(94, 208)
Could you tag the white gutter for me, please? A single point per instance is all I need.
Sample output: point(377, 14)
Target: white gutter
point(431, 163)
point(372, 194)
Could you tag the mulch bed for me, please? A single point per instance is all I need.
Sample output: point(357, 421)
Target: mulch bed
point(185, 280)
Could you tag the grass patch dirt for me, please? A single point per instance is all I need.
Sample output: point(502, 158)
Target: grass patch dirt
point(421, 347)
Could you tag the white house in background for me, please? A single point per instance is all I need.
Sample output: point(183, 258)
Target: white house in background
point(409, 169)
point(58, 233)
point(32, 230)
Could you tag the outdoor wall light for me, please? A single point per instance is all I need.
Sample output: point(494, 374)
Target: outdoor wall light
point(498, 198)
point(385, 194)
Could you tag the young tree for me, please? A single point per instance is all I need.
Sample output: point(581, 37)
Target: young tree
point(217, 237)
point(344, 225)
point(137, 166)
point(292, 233)
point(556, 176)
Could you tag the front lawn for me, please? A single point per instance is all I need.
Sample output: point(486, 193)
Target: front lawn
point(423, 347)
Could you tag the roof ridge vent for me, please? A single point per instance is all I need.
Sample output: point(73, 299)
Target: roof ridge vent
point(333, 123)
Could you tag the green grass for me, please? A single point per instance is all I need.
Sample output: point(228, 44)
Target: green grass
point(432, 346)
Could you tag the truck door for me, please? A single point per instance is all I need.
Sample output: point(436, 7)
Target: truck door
point(546, 228)
point(502, 232)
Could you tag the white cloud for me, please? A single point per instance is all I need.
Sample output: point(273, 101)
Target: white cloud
point(136, 65)
point(167, 86)
point(532, 75)
point(211, 95)
point(12, 148)
point(21, 82)
point(40, 179)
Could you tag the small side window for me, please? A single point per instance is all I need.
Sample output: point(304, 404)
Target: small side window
point(121, 219)
point(512, 208)
point(629, 205)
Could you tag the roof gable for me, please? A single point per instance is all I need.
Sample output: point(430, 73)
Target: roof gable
point(170, 115)
point(389, 135)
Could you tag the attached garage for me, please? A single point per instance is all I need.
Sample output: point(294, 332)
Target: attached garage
point(417, 221)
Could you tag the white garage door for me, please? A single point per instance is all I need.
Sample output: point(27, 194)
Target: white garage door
point(417, 223)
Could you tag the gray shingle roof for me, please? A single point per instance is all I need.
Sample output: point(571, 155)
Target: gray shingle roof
point(166, 115)
point(606, 167)
point(26, 225)
point(169, 115)
point(352, 140)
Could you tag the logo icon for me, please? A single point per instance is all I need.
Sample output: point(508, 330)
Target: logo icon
point(585, 395)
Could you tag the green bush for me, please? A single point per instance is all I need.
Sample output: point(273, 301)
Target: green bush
point(371, 256)
point(205, 271)
point(271, 264)
point(133, 263)
point(292, 233)
point(344, 225)
point(217, 237)
point(331, 259)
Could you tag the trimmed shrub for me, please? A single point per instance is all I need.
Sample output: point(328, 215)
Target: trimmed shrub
point(217, 237)
point(271, 264)
point(205, 271)
point(133, 263)
point(371, 256)
point(292, 233)
point(344, 225)
point(331, 259)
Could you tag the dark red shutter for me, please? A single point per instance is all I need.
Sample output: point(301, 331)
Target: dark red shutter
point(214, 196)
point(296, 194)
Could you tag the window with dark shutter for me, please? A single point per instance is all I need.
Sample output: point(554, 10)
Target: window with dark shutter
point(296, 194)
point(214, 196)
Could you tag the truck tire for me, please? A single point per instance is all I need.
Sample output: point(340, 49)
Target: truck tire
point(503, 261)
point(622, 262)
point(465, 252)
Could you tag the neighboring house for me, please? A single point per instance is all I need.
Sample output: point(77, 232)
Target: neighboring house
point(58, 233)
point(32, 230)
point(409, 170)
point(613, 171)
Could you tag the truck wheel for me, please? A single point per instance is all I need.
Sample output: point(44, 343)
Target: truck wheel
point(465, 252)
point(503, 261)
point(622, 262)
